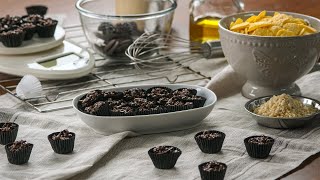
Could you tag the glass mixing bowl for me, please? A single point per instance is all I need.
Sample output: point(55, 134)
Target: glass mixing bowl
point(111, 26)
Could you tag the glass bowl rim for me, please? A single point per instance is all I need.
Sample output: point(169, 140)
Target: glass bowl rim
point(88, 13)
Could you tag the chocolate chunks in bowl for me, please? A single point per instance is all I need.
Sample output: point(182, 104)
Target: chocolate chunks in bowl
point(113, 40)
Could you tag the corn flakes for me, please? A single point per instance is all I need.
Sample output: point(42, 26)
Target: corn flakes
point(276, 25)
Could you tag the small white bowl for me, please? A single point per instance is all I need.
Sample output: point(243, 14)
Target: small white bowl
point(154, 123)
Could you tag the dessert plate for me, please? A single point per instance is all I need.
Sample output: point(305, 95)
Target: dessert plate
point(36, 44)
point(149, 124)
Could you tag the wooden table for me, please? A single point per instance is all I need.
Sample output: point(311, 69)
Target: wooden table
point(310, 168)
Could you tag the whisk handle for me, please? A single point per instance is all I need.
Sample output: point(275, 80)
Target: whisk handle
point(212, 49)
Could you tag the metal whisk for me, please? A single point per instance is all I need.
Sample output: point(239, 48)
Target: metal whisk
point(169, 51)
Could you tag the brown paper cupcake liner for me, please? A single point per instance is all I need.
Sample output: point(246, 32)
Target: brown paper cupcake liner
point(162, 87)
point(164, 161)
point(12, 40)
point(8, 136)
point(212, 175)
point(210, 146)
point(29, 34)
point(41, 10)
point(199, 103)
point(151, 111)
point(19, 157)
point(122, 113)
point(116, 96)
point(179, 108)
point(62, 146)
point(259, 151)
point(192, 91)
point(155, 97)
point(105, 111)
point(47, 31)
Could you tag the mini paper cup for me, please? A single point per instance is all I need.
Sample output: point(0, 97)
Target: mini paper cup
point(112, 113)
point(192, 91)
point(152, 111)
point(164, 161)
point(47, 31)
point(210, 146)
point(104, 111)
point(199, 103)
point(19, 157)
point(212, 175)
point(116, 96)
point(259, 151)
point(8, 136)
point(38, 9)
point(12, 40)
point(29, 33)
point(179, 108)
point(161, 87)
point(62, 146)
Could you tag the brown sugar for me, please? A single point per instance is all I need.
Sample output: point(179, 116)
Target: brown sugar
point(284, 106)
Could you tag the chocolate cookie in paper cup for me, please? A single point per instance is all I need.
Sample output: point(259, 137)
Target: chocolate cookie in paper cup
point(262, 58)
point(62, 142)
point(8, 132)
point(173, 104)
point(114, 95)
point(259, 146)
point(122, 111)
point(151, 110)
point(37, 9)
point(164, 157)
point(184, 92)
point(100, 108)
point(156, 93)
point(132, 93)
point(210, 141)
point(29, 29)
point(12, 38)
point(46, 27)
point(18, 152)
point(198, 101)
point(212, 170)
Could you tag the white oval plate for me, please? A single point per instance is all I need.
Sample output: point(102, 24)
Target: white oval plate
point(36, 44)
point(149, 124)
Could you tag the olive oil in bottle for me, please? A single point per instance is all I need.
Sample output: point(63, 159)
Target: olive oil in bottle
point(205, 16)
point(204, 29)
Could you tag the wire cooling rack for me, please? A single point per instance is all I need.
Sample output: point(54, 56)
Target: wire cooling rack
point(58, 95)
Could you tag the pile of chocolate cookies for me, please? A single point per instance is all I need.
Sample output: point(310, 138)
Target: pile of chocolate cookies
point(137, 101)
point(113, 40)
point(15, 29)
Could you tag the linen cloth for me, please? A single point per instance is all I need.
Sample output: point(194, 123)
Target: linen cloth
point(117, 157)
